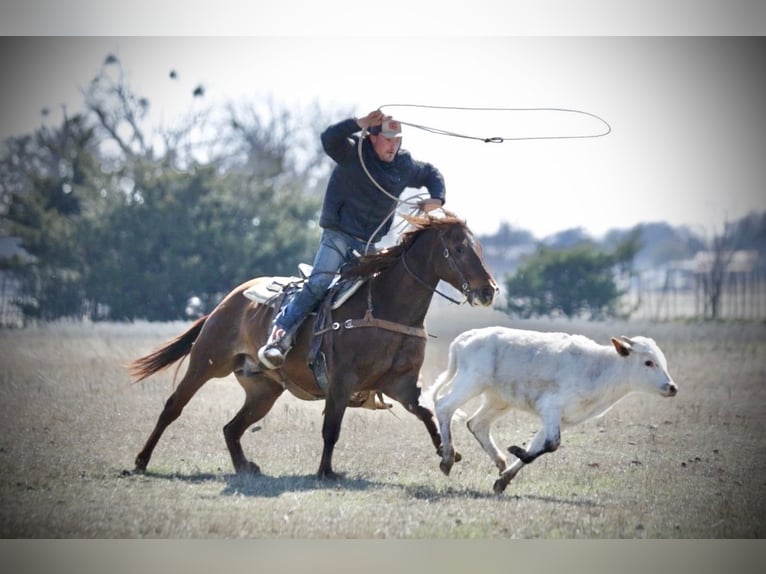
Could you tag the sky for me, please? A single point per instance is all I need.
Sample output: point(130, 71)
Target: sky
point(688, 129)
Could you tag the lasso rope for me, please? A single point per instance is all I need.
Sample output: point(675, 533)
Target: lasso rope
point(414, 202)
point(499, 139)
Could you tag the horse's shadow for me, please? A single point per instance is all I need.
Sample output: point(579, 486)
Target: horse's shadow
point(264, 485)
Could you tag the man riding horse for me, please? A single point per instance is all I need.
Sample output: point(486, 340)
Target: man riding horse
point(361, 196)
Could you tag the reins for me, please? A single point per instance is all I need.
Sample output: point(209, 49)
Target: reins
point(369, 320)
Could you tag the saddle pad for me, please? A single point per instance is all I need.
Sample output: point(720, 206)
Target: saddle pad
point(264, 291)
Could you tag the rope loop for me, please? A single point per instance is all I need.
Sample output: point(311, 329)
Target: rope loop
point(497, 139)
point(415, 202)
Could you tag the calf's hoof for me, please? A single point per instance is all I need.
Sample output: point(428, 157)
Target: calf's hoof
point(499, 485)
point(445, 467)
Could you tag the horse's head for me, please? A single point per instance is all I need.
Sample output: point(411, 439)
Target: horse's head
point(458, 258)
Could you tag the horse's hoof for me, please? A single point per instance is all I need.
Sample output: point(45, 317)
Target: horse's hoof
point(445, 467)
point(249, 469)
point(328, 475)
point(140, 467)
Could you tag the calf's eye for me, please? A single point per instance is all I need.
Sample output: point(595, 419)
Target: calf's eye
point(649, 363)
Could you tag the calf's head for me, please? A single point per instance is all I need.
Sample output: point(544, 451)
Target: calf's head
point(648, 367)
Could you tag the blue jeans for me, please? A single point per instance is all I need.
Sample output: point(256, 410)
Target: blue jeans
point(335, 249)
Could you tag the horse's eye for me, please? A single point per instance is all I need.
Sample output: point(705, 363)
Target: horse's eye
point(460, 248)
point(649, 363)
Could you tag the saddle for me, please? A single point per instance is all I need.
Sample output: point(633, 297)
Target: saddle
point(276, 292)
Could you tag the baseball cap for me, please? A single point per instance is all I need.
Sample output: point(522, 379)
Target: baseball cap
point(389, 129)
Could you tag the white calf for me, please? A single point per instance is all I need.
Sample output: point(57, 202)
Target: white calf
point(564, 379)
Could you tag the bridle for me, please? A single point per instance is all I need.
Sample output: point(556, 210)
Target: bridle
point(464, 289)
point(370, 321)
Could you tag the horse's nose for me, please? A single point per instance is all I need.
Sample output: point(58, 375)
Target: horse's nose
point(488, 293)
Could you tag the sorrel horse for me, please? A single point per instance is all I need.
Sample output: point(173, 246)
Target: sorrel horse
point(375, 342)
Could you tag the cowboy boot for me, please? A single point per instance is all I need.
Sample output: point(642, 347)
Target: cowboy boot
point(272, 354)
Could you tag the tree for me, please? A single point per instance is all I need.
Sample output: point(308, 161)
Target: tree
point(569, 282)
point(198, 217)
point(45, 204)
point(122, 221)
point(714, 270)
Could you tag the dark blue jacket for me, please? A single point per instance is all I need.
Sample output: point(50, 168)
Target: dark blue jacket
point(352, 203)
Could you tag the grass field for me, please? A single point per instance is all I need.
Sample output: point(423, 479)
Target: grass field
point(693, 466)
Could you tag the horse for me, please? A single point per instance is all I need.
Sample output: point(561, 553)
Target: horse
point(372, 345)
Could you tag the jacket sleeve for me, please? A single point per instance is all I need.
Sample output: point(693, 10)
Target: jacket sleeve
point(428, 176)
point(337, 142)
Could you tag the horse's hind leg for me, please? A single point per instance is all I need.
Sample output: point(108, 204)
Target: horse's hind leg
point(189, 385)
point(260, 395)
point(408, 394)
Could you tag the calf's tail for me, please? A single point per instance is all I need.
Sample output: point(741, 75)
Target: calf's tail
point(428, 396)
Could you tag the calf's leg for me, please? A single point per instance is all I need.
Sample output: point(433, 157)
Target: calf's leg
point(547, 439)
point(480, 425)
point(462, 390)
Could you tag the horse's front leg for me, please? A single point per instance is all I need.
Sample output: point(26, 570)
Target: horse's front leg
point(335, 408)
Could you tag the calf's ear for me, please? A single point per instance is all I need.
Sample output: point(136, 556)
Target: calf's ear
point(623, 348)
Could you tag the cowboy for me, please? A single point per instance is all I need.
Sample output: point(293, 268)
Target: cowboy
point(356, 213)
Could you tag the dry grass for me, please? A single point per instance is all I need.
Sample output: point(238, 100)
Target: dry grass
point(689, 467)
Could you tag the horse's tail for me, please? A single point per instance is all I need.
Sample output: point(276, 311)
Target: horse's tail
point(167, 354)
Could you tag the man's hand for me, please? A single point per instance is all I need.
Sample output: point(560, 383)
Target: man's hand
point(374, 118)
point(429, 204)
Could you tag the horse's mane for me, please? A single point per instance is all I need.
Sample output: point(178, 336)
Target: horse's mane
point(368, 265)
